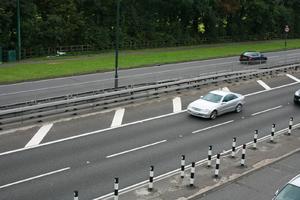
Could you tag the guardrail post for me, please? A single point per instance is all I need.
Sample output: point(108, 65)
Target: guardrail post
point(209, 156)
point(290, 126)
point(182, 166)
point(151, 176)
point(255, 139)
point(217, 166)
point(233, 147)
point(272, 133)
point(192, 179)
point(116, 189)
point(76, 195)
point(243, 155)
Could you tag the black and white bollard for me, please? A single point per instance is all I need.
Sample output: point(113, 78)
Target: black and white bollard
point(243, 155)
point(182, 166)
point(76, 195)
point(233, 147)
point(255, 139)
point(217, 166)
point(272, 133)
point(290, 126)
point(192, 179)
point(151, 176)
point(116, 187)
point(209, 156)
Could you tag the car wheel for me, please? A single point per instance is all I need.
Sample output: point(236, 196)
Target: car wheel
point(238, 108)
point(213, 114)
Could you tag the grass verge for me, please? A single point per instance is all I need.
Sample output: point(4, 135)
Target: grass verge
point(44, 68)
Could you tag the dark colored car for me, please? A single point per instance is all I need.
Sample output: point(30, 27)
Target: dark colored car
point(297, 97)
point(252, 57)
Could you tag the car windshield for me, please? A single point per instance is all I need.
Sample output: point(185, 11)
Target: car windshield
point(211, 97)
point(289, 192)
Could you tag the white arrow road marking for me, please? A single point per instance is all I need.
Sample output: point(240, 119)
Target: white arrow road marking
point(35, 177)
point(293, 77)
point(38, 137)
point(118, 118)
point(177, 104)
point(266, 110)
point(142, 147)
point(263, 84)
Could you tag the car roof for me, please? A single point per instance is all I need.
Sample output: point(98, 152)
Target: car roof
point(222, 92)
point(295, 181)
point(251, 52)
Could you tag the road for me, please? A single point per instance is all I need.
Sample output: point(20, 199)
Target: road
point(27, 91)
point(86, 153)
point(260, 185)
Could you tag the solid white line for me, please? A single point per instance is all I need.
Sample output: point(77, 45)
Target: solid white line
point(257, 113)
point(118, 117)
point(293, 77)
point(135, 149)
point(177, 104)
point(263, 84)
point(38, 137)
point(210, 127)
point(34, 177)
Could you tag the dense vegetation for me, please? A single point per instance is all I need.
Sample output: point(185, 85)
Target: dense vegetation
point(50, 23)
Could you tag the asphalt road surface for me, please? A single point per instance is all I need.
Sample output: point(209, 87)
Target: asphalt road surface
point(86, 153)
point(260, 185)
point(27, 91)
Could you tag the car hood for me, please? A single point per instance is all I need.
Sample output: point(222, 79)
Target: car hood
point(203, 104)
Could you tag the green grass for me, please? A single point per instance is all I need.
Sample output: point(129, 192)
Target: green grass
point(43, 68)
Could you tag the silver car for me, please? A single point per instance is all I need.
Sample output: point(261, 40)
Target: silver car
point(291, 191)
point(215, 103)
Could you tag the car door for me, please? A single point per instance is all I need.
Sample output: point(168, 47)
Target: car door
point(228, 103)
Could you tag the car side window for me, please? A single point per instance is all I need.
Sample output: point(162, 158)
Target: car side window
point(229, 97)
point(226, 98)
point(233, 96)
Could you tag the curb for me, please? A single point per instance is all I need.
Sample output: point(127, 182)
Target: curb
point(257, 166)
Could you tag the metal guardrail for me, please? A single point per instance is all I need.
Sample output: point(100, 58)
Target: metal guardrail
point(80, 104)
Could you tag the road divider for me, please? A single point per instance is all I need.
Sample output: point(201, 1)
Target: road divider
point(74, 104)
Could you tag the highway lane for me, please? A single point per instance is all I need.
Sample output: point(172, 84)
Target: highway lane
point(61, 86)
point(76, 125)
point(88, 166)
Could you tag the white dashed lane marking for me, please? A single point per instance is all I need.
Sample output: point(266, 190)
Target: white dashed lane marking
point(118, 118)
point(293, 77)
point(38, 137)
point(177, 105)
point(260, 112)
point(135, 149)
point(264, 85)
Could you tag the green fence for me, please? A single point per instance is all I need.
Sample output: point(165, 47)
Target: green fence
point(12, 55)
